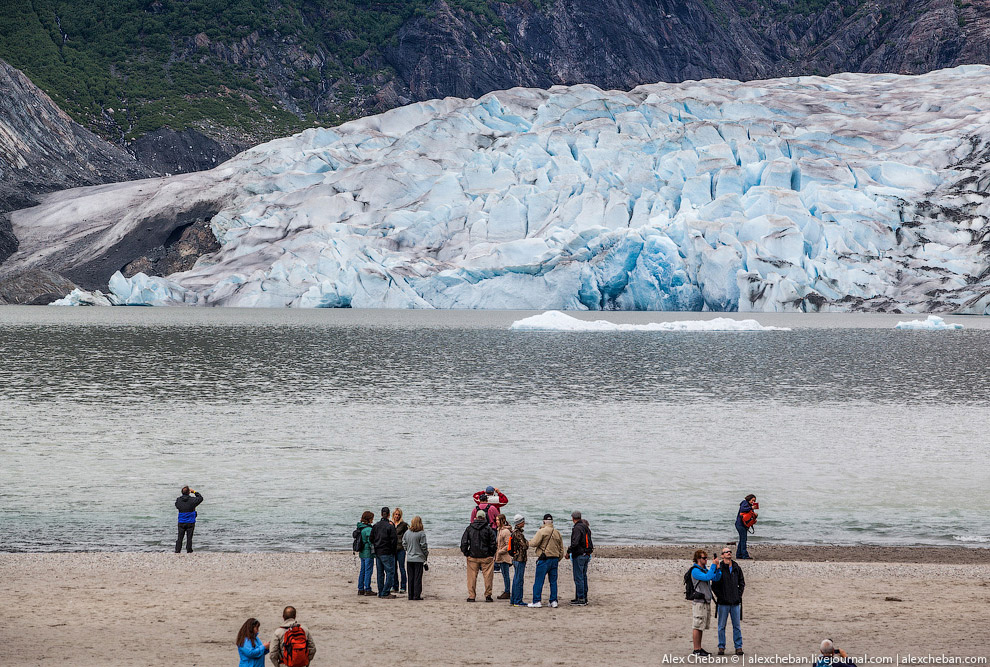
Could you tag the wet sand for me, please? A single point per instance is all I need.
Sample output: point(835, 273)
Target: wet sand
point(185, 609)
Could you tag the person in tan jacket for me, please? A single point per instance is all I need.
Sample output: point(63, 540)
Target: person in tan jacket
point(298, 640)
point(503, 559)
point(549, 548)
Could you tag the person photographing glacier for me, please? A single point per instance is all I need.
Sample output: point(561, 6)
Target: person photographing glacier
point(745, 519)
point(187, 504)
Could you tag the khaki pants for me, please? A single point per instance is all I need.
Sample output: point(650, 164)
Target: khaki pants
point(487, 566)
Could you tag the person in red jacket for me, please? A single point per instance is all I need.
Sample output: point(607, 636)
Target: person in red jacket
point(491, 494)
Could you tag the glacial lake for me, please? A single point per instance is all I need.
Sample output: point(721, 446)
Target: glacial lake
point(291, 423)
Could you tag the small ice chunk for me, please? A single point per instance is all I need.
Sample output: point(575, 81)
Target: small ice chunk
point(554, 320)
point(80, 297)
point(933, 323)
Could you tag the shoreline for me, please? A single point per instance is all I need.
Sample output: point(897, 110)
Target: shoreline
point(807, 553)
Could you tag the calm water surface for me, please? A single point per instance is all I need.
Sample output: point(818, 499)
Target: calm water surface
point(292, 423)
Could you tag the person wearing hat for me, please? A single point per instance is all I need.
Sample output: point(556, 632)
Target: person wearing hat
point(579, 553)
point(518, 546)
point(549, 546)
point(478, 544)
point(494, 496)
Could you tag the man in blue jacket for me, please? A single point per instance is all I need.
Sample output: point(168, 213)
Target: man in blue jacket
point(186, 504)
point(702, 577)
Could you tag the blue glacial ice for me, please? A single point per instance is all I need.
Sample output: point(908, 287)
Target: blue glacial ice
point(852, 192)
point(554, 320)
point(931, 323)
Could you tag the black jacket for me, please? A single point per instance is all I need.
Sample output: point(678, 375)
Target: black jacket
point(581, 542)
point(383, 538)
point(479, 540)
point(188, 503)
point(729, 589)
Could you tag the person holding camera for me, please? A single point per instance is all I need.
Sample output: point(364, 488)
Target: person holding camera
point(186, 504)
point(728, 592)
point(745, 519)
point(829, 659)
point(702, 577)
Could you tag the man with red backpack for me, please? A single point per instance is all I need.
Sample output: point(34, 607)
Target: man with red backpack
point(293, 646)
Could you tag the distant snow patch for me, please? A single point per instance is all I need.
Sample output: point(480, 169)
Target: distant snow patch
point(554, 320)
point(933, 323)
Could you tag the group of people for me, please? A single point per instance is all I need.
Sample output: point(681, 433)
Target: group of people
point(398, 552)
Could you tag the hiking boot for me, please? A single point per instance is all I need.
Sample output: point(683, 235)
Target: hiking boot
point(739, 651)
point(553, 605)
point(701, 651)
point(579, 603)
point(388, 597)
point(371, 592)
point(721, 651)
point(470, 599)
point(535, 605)
point(489, 598)
point(504, 596)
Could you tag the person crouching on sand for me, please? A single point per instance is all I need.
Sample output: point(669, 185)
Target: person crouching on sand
point(250, 649)
point(702, 576)
point(417, 553)
point(503, 559)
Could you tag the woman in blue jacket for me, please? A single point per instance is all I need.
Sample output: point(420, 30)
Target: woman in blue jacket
point(251, 650)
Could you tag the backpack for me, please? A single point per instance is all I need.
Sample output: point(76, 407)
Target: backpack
point(748, 520)
point(689, 591)
point(295, 652)
point(358, 540)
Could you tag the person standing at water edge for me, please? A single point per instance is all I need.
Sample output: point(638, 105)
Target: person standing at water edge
point(503, 559)
point(478, 544)
point(250, 649)
point(518, 546)
point(746, 513)
point(579, 552)
point(417, 553)
point(366, 554)
point(292, 645)
point(187, 504)
point(549, 546)
point(383, 540)
point(702, 576)
point(400, 554)
point(728, 592)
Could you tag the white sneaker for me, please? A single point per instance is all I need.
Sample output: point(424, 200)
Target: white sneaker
point(535, 605)
point(553, 605)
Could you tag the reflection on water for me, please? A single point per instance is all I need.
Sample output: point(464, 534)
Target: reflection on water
point(292, 424)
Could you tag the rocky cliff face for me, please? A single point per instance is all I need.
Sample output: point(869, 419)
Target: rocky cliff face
point(42, 150)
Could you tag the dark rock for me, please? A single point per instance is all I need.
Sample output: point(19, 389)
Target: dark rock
point(42, 150)
point(168, 152)
point(36, 287)
point(179, 252)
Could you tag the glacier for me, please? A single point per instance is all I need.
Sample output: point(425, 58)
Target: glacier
point(554, 320)
point(851, 192)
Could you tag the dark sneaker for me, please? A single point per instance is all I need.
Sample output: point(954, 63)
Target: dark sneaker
point(489, 598)
point(701, 651)
point(739, 651)
point(504, 596)
point(388, 597)
point(579, 603)
point(470, 599)
point(721, 651)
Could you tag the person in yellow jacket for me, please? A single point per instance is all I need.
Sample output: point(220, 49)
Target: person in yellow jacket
point(549, 549)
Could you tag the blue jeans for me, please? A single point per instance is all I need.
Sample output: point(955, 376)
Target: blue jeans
point(545, 568)
point(364, 577)
point(386, 574)
point(741, 551)
point(505, 569)
point(580, 565)
point(726, 611)
point(519, 573)
point(400, 565)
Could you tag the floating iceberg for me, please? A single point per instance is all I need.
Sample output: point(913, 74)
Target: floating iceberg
point(932, 323)
point(554, 320)
point(852, 192)
point(80, 297)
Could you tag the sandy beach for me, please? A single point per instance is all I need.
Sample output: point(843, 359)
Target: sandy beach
point(185, 609)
